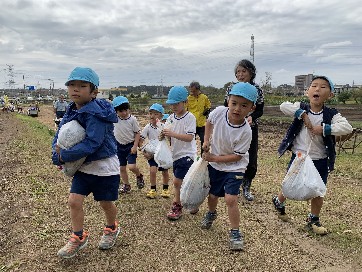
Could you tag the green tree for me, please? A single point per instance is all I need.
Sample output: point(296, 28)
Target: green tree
point(357, 95)
point(344, 96)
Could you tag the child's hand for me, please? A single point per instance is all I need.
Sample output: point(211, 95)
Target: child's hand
point(147, 155)
point(206, 146)
point(134, 150)
point(307, 122)
point(167, 132)
point(207, 156)
point(57, 149)
point(317, 130)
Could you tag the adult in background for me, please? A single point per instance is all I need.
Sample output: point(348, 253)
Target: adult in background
point(245, 72)
point(199, 105)
point(60, 106)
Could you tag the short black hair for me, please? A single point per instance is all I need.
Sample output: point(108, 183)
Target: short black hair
point(123, 106)
point(195, 84)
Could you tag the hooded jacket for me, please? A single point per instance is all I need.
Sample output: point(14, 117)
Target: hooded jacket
point(97, 118)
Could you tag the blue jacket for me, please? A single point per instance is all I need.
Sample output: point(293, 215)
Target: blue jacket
point(296, 126)
point(97, 118)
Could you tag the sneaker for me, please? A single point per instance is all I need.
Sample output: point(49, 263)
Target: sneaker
point(280, 209)
point(315, 226)
point(73, 246)
point(176, 212)
point(126, 188)
point(208, 219)
point(165, 193)
point(236, 240)
point(140, 182)
point(246, 190)
point(109, 237)
point(151, 194)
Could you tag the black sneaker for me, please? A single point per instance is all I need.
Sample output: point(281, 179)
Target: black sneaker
point(280, 209)
point(140, 182)
point(313, 224)
point(208, 219)
point(236, 240)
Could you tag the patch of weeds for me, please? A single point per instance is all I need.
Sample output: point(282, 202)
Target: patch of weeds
point(38, 187)
point(42, 131)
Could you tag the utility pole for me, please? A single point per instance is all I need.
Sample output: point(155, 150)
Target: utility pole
point(252, 49)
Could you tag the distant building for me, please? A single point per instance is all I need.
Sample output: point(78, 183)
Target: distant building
point(302, 82)
point(113, 92)
point(345, 88)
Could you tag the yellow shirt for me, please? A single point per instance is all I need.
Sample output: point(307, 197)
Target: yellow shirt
point(197, 105)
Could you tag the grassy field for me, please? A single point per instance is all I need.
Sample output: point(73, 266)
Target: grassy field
point(35, 219)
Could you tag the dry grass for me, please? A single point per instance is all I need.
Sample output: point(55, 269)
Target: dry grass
point(35, 220)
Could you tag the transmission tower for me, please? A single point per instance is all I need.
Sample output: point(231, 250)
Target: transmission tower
point(11, 76)
point(252, 49)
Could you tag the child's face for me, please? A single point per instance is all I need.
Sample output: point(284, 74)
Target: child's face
point(178, 108)
point(123, 114)
point(239, 107)
point(319, 92)
point(80, 92)
point(242, 74)
point(154, 116)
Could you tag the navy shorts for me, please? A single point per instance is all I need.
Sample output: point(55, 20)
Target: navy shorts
point(124, 154)
point(181, 166)
point(222, 183)
point(321, 165)
point(104, 188)
point(152, 162)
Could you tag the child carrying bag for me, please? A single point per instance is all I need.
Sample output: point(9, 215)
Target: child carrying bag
point(70, 134)
point(302, 181)
point(196, 185)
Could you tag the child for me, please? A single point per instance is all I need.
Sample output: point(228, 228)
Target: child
point(127, 133)
point(227, 153)
point(245, 71)
point(152, 132)
point(100, 172)
point(164, 117)
point(321, 125)
point(183, 144)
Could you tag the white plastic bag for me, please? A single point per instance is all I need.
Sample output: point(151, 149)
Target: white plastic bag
point(302, 181)
point(150, 147)
point(195, 185)
point(163, 155)
point(69, 135)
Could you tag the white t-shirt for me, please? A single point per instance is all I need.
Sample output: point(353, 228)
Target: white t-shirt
point(104, 167)
point(301, 143)
point(125, 129)
point(185, 124)
point(229, 139)
point(151, 132)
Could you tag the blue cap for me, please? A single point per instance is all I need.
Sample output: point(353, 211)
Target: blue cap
point(245, 90)
point(165, 116)
point(83, 74)
point(331, 86)
point(157, 107)
point(177, 94)
point(119, 100)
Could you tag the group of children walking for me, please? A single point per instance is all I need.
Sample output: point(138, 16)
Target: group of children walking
point(113, 137)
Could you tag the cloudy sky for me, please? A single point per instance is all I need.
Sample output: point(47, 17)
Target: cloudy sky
point(173, 42)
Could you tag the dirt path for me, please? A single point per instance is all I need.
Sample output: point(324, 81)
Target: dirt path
point(35, 223)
